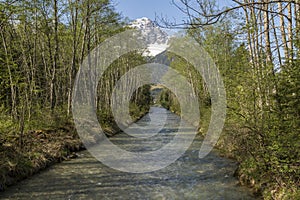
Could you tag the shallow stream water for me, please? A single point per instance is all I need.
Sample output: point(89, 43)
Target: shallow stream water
point(187, 178)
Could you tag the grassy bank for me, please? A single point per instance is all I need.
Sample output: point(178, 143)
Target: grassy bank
point(23, 155)
point(267, 179)
point(271, 170)
point(44, 142)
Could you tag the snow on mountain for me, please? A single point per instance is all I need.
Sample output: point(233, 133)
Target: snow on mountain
point(156, 38)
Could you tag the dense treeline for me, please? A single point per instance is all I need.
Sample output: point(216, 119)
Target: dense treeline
point(42, 46)
point(256, 48)
point(43, 43)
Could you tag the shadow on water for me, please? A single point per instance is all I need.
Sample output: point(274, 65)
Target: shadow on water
point(187, 178)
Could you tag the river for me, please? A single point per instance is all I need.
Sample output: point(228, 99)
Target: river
point(187, 178)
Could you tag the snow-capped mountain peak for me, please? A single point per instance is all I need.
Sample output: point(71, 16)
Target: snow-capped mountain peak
point(155, 37)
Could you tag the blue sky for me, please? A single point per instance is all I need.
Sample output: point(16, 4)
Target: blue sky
point(147, 8)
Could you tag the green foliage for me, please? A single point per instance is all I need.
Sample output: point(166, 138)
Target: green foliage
point(262, 125)
point(141, 99)
point(168, 100)
point(42, 46)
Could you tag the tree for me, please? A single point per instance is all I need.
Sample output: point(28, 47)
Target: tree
point(42, 46)
point(261, 83)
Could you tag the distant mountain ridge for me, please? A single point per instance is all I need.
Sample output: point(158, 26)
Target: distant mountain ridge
point(155, 37)
point(152, 32)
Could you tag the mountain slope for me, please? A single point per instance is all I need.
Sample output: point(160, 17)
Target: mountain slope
point(156, 38)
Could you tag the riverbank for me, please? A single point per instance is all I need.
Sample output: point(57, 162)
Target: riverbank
point(186, 178)
point(42, 148)
point(268, 158)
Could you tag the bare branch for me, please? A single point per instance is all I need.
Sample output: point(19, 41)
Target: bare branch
point(204, 16)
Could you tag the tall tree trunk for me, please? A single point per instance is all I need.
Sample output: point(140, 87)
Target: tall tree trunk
point(283, 33)
point(276, 41)
point(72, 70)
point(249, 38)
point(297, 21)
point(267, 33)
point(12, 85)
point(56, 54)
point(290, 31)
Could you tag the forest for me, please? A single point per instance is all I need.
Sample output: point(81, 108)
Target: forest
point(254, 43)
